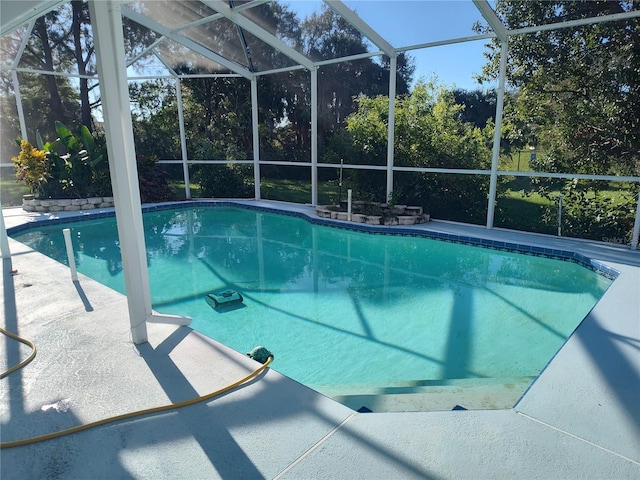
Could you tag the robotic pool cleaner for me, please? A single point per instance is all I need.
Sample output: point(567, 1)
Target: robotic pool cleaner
point(224, 300)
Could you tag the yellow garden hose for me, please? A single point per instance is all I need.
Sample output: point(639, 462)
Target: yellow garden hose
point(124, 416)
point(26, 360)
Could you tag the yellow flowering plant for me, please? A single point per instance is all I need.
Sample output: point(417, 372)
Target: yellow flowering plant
point(32, 167)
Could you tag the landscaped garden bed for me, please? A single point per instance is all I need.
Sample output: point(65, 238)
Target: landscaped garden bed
point(72, 174)
point(31, 204)
point(374, 213)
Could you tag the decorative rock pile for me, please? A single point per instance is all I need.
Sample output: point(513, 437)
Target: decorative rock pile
point(31, 204)
point(374, 213)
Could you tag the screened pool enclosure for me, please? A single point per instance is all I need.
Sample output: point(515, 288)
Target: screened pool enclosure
point(316, 91)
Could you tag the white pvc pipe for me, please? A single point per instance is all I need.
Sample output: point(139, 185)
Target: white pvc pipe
point(349, 204)
point(72, 260)
point(560, 215)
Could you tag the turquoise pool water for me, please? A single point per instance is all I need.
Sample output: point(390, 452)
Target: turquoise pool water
point(340, 307)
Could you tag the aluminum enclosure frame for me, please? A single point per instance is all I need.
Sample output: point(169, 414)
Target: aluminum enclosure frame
point(107, 15)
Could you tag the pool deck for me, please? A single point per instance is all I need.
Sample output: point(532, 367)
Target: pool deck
point(580, 418)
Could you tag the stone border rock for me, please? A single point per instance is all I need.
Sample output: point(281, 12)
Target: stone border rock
point(48, 205)
point(391, 215)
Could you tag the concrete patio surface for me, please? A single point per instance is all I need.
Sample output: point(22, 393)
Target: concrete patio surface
point(580, 418)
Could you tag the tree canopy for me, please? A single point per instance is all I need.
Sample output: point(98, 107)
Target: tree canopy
point(577, 87)
point(429, 132)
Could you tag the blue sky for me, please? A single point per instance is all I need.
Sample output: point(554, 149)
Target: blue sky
point(404, 23)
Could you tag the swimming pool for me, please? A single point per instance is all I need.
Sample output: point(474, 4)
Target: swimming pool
point(348, 313)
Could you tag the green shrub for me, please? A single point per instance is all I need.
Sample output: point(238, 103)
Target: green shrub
point(222, 181)
point(153, 181)
point(594, 216)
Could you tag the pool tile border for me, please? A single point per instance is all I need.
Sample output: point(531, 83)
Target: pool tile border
point(565, 255)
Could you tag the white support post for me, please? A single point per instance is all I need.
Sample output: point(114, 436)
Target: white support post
point(16, 90)
point(106, 20)
point(314, 136)
point(4, 238)
point(256, 137)
point(636, 227)
point(393, 65)
point(497, 134)
point(183, 142)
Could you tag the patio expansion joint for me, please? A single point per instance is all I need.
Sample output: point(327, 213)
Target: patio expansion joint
point(545, 424)
point(315, 446)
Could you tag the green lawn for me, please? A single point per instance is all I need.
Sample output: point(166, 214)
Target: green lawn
point(519, 212)
point(178, 189)
point(517, 162)
point(295, 191)
point(12, 191)
point(298, 191)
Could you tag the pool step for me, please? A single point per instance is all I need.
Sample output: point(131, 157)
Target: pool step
point(435, 395)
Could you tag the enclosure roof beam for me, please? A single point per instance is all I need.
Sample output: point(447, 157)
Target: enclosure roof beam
point(350, 58)
point(16, 13)
point(23, 45)
point(492, 19)
point(280, 70)
point(615, 17)
point(218, 15)
point(451, 41)
point(54, 74)
point(190, 44)
point(172, 72)
point(248, 5)
point(270, 39)
point(183, 77)
point(144, 52)
point(350, 16)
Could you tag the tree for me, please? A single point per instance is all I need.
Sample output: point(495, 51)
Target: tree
point(580, 83)
point(37, 109)
point(428, 133)
point(155, 119)
point(83, 53)
point(46, 62)
point(327, 35)
point(578, 91)
point(479, 106)
point(44, 97)
point(61, 41)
